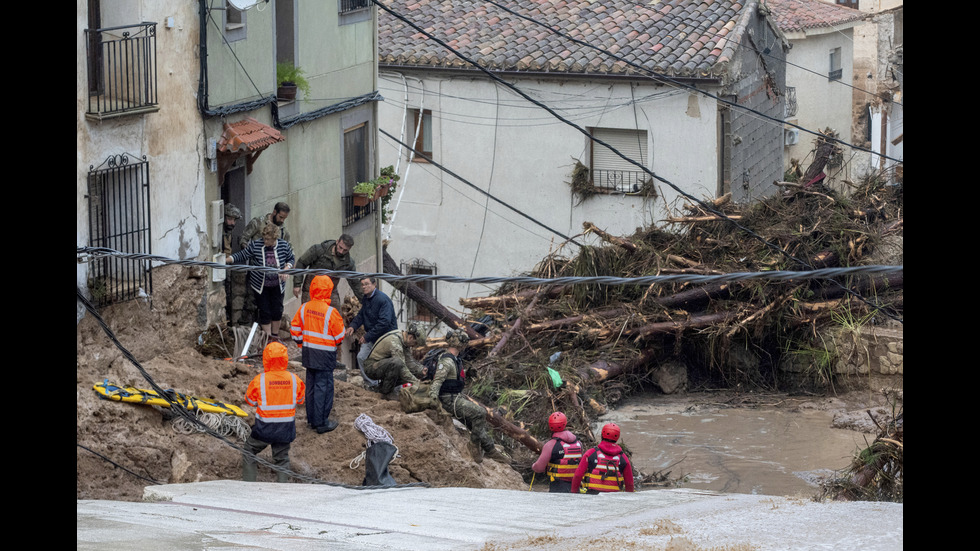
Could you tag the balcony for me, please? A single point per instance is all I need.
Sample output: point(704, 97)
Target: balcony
point(122, 71)
point(347, 6)
point(618, 181)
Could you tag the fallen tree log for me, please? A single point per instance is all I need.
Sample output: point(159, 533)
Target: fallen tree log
point(517, 325)
point(589, 227)
point(509, 428)
point(420, 296)
point(505, 301)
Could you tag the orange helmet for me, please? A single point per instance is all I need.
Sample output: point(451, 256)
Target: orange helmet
point(557, 421)
point(610, 432)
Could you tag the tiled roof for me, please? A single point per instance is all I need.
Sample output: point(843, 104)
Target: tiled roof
point(684, 38)
point(249, 135)
point(800, 15)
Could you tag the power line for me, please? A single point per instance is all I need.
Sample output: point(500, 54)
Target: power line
point(774, 275)
point(659, 76)
point(702, 204)
point(193, 420)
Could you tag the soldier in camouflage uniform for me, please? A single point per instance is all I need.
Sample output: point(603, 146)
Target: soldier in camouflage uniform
point(447, 387)
point(391, 358)
point(329, 255)
point(254, 228)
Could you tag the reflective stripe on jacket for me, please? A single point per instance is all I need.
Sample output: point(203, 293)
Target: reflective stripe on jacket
point(565, 457)
point(318, 328)
point(275, 394)
point(604, 475)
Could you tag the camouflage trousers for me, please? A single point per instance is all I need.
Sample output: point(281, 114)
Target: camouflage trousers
point(391, 372)
point(472, 415)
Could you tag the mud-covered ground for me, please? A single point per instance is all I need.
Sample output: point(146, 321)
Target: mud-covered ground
point(141, 439)
point(114, 438)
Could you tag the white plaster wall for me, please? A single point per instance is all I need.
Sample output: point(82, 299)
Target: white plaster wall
point(822, 102)
point(171, 138)
point(524, 156)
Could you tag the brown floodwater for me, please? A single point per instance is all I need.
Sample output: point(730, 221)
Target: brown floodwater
point(778, 452)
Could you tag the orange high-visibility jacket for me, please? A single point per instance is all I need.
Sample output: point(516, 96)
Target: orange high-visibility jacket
point(275, 394)
point(318, 327)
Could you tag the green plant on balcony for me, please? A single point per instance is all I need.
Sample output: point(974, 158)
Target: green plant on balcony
point(289, 75)
point(382, 187)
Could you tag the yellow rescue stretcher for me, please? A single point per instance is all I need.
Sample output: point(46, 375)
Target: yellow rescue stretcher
point(108, 391)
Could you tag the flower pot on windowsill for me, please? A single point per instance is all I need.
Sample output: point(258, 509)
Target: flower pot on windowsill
point(361, 199)
point(286, 92)
point(381, 191)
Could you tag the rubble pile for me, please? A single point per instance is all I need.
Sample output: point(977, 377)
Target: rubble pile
point(617, 339)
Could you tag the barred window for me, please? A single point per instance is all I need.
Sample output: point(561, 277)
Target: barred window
point(119, 219)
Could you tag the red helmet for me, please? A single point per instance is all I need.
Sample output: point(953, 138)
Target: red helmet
point(557, 421)
point(610, 432)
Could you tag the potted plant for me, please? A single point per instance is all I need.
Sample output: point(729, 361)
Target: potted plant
point(366, 192)
point(289, 78)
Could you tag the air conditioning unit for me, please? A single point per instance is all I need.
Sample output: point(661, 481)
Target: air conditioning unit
point(791, 136)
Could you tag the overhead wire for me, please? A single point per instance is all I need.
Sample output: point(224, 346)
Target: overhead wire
point(702, 204)
point(660, 77)
point(192, 419)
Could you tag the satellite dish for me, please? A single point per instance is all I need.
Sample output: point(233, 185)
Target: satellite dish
point(242, 5)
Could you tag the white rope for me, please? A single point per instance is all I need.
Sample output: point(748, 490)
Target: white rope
point(221, 423)
point(371, 431)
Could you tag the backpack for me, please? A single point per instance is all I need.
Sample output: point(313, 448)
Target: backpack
point(431, 362)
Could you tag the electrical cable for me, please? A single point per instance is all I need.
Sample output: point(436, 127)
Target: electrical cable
point(660, 76)
point(588, 135)
point(773, 275)
point(191, 418)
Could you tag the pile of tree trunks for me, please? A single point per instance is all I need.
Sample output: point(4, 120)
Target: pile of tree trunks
point(614, 339)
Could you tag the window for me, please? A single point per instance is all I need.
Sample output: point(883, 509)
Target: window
point(412, 310)
point(234, 23)
point(347, 6)
point(122, 70)
point(835, 67)
point(356, 169)
point(119, 219)
point(848, 3)
point(610, 171)
point(353, 11)
point(423, 144)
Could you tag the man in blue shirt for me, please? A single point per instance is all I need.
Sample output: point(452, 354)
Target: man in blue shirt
point(377, 315)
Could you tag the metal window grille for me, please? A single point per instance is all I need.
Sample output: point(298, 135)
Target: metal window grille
point(347, 6)
point(411, 309)
point(119, 219)
point(792, 107)
point(355, 170)
point(122, 69)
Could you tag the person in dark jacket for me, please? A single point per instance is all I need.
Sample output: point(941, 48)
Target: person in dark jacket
point(377, 315)
point(268, 288)
point(274, 394)
point(560, 456)
point(329, 255)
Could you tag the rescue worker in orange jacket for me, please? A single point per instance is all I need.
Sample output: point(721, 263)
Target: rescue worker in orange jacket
point(274, 393)
point(560, 456)
point(318, 328)
point(604, 468)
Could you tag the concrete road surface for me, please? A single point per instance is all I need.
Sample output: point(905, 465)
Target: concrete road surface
point(227, 515)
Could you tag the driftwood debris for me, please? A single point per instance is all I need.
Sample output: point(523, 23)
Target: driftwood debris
point(615, 339)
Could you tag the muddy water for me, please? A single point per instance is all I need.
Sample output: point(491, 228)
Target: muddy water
point(739, 450)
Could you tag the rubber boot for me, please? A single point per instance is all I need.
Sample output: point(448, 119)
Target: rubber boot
point(475, 451)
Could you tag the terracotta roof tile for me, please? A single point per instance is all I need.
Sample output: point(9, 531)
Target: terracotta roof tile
point(681, 37)
point(799, 15)
point(249, 135)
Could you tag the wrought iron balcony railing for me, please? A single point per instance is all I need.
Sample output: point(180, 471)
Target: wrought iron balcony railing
point(347, 6)
point(122, 70)
point(618, 180)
